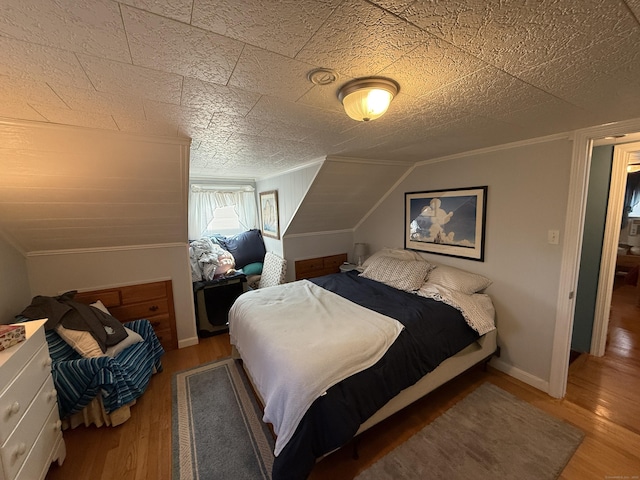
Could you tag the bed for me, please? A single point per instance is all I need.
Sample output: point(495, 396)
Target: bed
point(96, 386)
point(331, 357)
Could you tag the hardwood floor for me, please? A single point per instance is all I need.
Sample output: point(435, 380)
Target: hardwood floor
point(602, 400)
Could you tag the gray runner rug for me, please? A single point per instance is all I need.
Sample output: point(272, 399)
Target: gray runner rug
point(218, 431)
point(490, 434)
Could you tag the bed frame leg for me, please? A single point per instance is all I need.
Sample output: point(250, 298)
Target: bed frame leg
point(355, 455)
point(485, 363)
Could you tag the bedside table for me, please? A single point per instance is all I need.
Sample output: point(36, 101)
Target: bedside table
point(347, 267)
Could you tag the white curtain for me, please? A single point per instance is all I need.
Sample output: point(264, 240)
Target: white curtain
point(203, 203)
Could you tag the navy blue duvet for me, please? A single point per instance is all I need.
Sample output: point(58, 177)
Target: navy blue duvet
point(433, 331)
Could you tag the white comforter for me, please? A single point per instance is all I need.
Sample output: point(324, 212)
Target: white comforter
point(477, 309)
point(275, 330)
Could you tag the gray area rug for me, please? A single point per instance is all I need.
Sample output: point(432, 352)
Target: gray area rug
point(490, 434)
point(218, 431)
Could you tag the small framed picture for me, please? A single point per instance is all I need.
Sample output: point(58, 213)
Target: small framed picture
point(270, 224)
point(447, 222)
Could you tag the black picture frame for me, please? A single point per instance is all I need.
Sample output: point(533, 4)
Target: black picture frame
point(448, 222)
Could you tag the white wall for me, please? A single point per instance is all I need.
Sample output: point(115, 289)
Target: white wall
point(52, 274)
point(527, 196)
point(14, 282)
point(292, 187)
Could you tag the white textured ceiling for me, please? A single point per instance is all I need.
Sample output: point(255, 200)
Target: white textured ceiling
point(232, 74)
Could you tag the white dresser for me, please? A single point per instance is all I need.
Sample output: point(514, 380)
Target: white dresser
point(30, 434)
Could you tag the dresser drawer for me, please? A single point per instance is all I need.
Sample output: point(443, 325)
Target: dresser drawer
point(144, 292)
point(153, 301)
point(165, 337)
point(316, 267)
point(42, 449)
point(17, 447)
point(15, 358)
point(15, 400)
point(160, 322)
point(333, 262)
point(162, 328)
point(146, 309)
point(311, 265)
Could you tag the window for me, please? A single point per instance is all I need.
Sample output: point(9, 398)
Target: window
point(227, 209)
point(225, 222)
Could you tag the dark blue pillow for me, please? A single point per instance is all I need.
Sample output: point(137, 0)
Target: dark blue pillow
point(246, 247)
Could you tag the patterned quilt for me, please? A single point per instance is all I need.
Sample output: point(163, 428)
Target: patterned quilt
point(120, 379)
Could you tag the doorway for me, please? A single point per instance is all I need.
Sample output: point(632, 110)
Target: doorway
point(623, 155)
point(583, 141)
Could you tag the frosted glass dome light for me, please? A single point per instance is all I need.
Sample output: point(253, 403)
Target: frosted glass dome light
point(366, 99)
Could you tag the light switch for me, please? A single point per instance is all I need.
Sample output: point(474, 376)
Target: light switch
point(553, 237)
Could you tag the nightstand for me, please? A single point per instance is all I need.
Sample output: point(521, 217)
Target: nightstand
point(347, 267)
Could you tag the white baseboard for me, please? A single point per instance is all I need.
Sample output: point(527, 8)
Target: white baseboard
point(521, 375)
point(187, 342)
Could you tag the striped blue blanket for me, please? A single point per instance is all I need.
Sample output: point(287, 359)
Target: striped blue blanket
point(120, 379)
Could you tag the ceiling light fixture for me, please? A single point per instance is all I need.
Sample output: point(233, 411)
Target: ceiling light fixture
point(366, 99)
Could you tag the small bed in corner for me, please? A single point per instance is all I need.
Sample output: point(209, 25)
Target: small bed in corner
point(331, 357)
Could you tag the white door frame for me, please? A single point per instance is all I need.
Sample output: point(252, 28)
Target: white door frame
point(572, 246)
point(621, 156)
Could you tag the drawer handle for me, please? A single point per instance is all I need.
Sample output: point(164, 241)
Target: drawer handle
point(13, 409)
point(57, 426)
point(19, 451)
point(47, 362)
point(153, 308)
point(52, 395)
point(155, 324)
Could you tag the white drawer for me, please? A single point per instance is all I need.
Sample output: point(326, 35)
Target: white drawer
point(39, 458)
point(14, 358)
point(16, 449)
point(16, 398)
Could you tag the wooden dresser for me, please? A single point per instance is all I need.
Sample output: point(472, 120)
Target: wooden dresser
point(30, 434)
point(316, 267)
point(153, 301)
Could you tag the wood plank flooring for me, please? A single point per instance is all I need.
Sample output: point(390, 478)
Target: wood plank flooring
point(602, 400)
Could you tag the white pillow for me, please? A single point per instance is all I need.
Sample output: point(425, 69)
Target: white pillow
point(396, 253)
point(132, 338)
point(86, 345)
point(407, 275)
point(457, 279)
point(100, 306)
point(82, 342)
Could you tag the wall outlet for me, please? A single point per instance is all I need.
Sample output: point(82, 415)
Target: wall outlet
point(553, 237)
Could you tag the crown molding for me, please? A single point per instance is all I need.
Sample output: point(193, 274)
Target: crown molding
point(497, 148)
point(370, 161)
point(315, 234)
point(291, 170)
point(76, 251)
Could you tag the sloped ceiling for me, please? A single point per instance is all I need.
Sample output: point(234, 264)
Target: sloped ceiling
point(70, 189)
point(342, 193)
point(232, 75)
